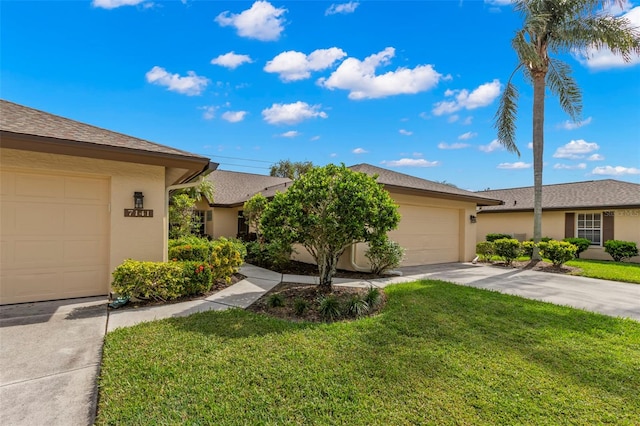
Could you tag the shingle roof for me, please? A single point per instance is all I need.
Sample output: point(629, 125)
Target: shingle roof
point(606, 193)
point(234, 188)
point(22, 120)
point(401, 180)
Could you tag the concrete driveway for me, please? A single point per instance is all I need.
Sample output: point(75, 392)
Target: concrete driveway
point(50, 356)
point(606, 297)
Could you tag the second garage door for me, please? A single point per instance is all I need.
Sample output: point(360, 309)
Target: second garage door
point(428, 234)
point(54, 236)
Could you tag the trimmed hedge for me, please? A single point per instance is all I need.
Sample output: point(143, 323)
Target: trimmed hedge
point(581, 243)
point(226, 258)
point(493, 237)
point(620, 250)
point(558, 252)
point(508, 249)
point(485, 249)
point(188, 252)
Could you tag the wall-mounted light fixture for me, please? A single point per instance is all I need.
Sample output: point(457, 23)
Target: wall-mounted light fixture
point(138, 200)
point(472, 219)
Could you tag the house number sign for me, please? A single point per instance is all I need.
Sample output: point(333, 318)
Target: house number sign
point(138, 213)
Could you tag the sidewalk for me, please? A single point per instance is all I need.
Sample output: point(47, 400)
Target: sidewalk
point(605, 297)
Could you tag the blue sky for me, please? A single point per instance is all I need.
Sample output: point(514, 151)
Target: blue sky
point(411, 86)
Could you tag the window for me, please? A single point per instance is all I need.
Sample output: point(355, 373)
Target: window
point(198, 216)
point(590, 227)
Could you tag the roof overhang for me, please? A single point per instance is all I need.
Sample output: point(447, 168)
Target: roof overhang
point(479, 201)
point(570, 208)
point(194, 166)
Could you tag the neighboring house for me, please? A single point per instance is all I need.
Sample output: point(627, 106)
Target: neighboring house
point(437, 222)
point(65, 190)
point(598, 210)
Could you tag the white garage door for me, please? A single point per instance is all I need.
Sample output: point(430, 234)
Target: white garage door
point(54, 236)
point(428, 234)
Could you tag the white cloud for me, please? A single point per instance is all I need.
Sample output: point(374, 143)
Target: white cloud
point(343, 8)
point(530, 145)
point(615, 171)
point(360, 79)
point(457, 145)
point(231, 60)
point(492, 146)
point(514, 166)
point(580, 166)
point(359, 151)
point(467, 121)
point(405, 132)
point(290, 134)
point(333, 155)
point(112, 4)
point(234, 116)
point(292, 65)
point(410, 162)
point(575, 150)
point(315, 138)
point(190, 85)
point(417, 154)
point(209, 112)
point(595, 157)
point(570, 125)
point(498, 2)
point(453, 118)
point(424, 115)
point(599, 59)
point(481, 96)
point(262, 21)
point(292, 113)
point(466, 136)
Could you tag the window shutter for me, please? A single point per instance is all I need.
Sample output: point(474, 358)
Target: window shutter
point(569, 225)
point(607, 226)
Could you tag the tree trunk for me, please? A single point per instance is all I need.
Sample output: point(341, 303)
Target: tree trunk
point(326, 270)
point(538, 148)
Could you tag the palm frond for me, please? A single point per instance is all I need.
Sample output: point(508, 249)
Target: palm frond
point(561, 83)
point(505, 118)
point(526, 51)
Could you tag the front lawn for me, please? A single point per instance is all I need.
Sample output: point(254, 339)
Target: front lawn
point(607, 270)
point(438, 354)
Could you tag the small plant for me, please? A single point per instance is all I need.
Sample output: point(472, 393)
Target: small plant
point(581, 243)
point(190, 252)
point(329, 307)
point(508, 249)
point(621, 250)
point(275, 300)
point(300, 306)
point(357, 306)
point(527, 248)
point(227, 255)
point(485, 249)
point(558, 252)
point(373, 297)
point(493, 237)
point(383, 255)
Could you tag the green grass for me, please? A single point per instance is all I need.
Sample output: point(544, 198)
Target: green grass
point(437, 354)
point(607, 270)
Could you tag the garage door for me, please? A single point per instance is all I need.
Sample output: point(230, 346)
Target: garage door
point(428, 234)
point(54, 236)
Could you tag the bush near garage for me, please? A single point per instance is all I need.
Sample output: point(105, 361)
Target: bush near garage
point(508, 249)
point(493, 237)
point(157, 281)
point(484, 250)
point(188, 252)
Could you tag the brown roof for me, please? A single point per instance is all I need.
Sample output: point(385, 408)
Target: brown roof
point(391, 179)
point(21, 120)
point(234, 188)
point(608, 193)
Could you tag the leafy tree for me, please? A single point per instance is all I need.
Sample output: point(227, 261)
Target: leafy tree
point(204, 190)
point(328, 209)
point(290, 169)
point(556, 27)
point(253, 209)
point(182, 216)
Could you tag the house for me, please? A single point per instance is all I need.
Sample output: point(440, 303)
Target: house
point(437, 222)
point(597, 210)
point(67, 203)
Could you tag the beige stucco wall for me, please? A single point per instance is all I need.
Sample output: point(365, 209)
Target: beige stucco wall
point(626, 227)
point(225, 222)
point(136, 238)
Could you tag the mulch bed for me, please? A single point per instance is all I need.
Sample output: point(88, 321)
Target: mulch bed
point(541, 266)
point(300, 268)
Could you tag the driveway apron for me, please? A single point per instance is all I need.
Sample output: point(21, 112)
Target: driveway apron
point(50, 355)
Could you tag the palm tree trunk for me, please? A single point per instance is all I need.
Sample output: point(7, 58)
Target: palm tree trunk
point(538, 148)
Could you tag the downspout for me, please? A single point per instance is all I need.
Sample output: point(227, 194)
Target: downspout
point(353, 260)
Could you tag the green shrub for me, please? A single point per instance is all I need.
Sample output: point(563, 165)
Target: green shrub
point(192, 240)
point(581, 243)
point(493, 237)
point(373, 297)
point(198, 278)
point(275, 300)
point(485, 249)
point(271, 255)
point(383, 255)
point(226, 257)
point(620, 250)
point(527, 248)
point(159, 281)
point(558, 252)
point(357, 306)
point(188, 252)
point(329, 307)
point(508, 249)
point(300, 306)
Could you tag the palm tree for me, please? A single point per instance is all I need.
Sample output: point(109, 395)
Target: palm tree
point(556, 27)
